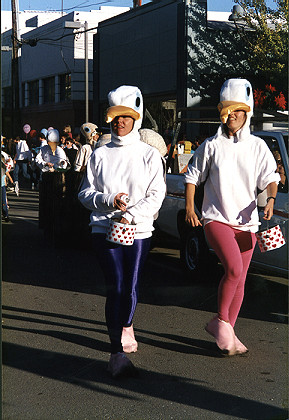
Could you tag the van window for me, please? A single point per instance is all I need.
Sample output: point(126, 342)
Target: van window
point(274, 147)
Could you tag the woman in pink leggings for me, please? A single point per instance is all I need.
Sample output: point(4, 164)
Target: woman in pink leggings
point(233, 164)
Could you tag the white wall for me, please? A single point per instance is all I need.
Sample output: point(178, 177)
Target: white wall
point(6, 25)
point(23, 16)
point(52, 55)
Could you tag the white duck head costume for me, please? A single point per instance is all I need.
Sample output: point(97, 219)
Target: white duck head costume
point(126, 100)
point(236, 94)
point(88, 130)
point(53, 136)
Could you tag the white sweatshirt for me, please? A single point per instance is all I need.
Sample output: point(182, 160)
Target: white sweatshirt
point(233, 168)
point(45, 155)
point(22, 150)
point(82, 157)
point(129, 166)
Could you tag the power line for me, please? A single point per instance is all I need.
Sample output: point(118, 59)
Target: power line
point(33, 41)
point(81, 6)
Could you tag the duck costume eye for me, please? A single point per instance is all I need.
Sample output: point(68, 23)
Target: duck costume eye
point(248, 90)
point(236, 94)
point(88, 130)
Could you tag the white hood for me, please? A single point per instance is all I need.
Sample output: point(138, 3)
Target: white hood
point(236, 94)
point(126, 100)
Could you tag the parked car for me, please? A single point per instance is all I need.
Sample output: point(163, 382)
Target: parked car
point(194, 251)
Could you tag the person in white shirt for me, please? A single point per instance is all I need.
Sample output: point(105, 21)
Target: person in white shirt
point(51, 160)
point(91, 135)
point(233, 164)
point(124, 167)
point(21, 159)
point(51, 157)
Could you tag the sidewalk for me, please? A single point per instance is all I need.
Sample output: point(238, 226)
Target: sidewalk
point(56, 348)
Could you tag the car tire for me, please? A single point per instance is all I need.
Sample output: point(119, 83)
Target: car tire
point(195, 255)
point(193, 252)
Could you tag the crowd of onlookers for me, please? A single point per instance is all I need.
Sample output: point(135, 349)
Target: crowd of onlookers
point(30, 157)
point(23, 155)
point(33, 157)
point(54, 163)
point(59, 152)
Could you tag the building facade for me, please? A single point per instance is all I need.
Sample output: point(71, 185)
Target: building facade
point(176, 52)
point(51, 68)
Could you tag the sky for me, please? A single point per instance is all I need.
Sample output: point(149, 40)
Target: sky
point(86, 5)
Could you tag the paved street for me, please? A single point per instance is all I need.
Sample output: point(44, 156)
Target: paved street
point(56, 348)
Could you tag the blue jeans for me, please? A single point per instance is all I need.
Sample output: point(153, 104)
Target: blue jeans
point(20, 165)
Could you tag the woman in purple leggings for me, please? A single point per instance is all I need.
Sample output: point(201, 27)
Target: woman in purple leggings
point(233, 164)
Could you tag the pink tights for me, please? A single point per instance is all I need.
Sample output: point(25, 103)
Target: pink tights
point(234, 249)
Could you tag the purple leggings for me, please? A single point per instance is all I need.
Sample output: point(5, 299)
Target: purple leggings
point(234, 249)
point(122, 267)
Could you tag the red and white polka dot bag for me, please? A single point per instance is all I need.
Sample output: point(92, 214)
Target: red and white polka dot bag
point(270, 238)
point(120, 233)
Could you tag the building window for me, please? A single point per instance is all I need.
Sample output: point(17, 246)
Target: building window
point(48, 90)
point(65, 87)
point(33, 92)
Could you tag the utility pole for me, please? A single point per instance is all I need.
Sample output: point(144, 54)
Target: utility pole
point(78, 25)
point(136, 3)
point(15, 72)
point(86, 71)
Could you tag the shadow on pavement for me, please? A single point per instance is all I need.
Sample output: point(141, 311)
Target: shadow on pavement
point(92, 375)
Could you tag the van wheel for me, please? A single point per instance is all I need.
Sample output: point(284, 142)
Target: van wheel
point(192, 250)
point(195, 256)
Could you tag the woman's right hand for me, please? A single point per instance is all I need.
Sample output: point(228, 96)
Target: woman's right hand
point(118, 203)
point(192, 219)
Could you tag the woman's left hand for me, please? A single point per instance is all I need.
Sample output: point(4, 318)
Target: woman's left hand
point(268, 210)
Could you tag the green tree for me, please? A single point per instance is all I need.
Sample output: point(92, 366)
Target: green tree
point(268, 41)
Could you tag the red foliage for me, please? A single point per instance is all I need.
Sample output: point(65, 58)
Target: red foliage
point(280, 101)
point(259, 98)
point(269, 98)
point(270, 88)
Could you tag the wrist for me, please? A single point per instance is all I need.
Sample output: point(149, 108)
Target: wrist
point(271, 198)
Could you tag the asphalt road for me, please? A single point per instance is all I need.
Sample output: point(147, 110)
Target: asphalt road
point(56, 348)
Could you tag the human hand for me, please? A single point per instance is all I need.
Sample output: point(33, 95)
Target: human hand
point(268, 210)
point(123, 220)
point(118, 203)
point(192, 219)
